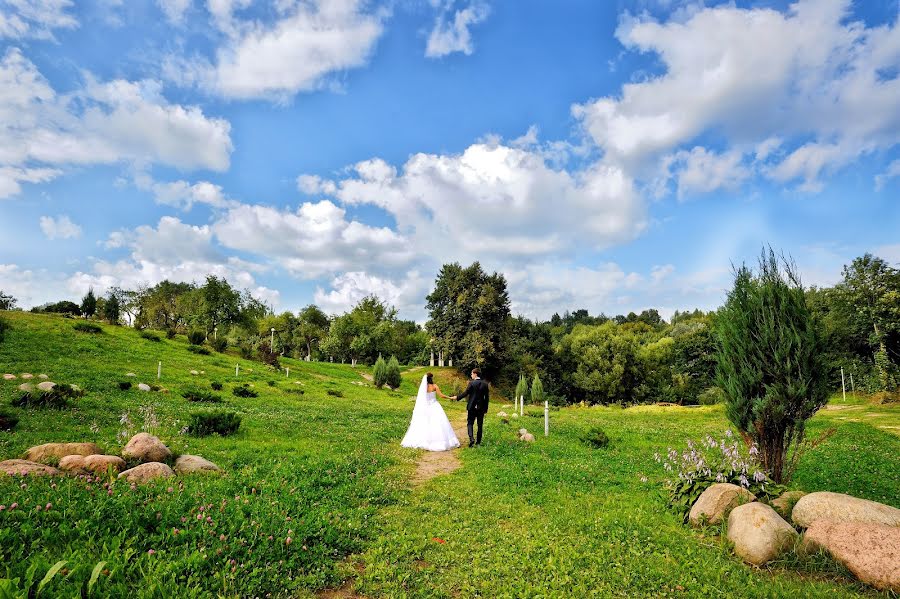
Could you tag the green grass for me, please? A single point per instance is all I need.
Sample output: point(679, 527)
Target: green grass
point(557, 518)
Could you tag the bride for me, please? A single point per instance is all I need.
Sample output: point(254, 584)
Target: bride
point(429, 428)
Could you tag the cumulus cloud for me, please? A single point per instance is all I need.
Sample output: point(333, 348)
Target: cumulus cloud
point(183, 194)
point(174, 9)
point(347, 289)
point(295, 53)
point(42, 131)
point(807, 75)
point(60, 227)
point(21, 19)
point(702, 171)
point(451, 33)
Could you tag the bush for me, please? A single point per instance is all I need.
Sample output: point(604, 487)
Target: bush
point(8, 420)
point(246, 350)
point(87, 327)
point(124, 385)
point(56, 398)
point(196, 337)
point(296, 391)
point(220, 345)
point(244, 391)
point(199, 395)
point(770, 362)
point(150, 336)
point(209, 423)
point(886, 397)
point(170, 333)
point(537, 390)
point(379, 373)
point(270, 383)
point(596, 437)
point(334, 393)
point(4, 327)
point(267, 355)
point(711, 397)
point(521, 387)
point(198, 349)
point(392, 376)
point(216, 385)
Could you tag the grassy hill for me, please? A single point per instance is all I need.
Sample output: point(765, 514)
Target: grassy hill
point(316, 489)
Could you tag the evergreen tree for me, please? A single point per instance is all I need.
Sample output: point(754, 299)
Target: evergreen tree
point(769, 362)
point(380, 372)
point(537, 390)
point(112, 309)
point(89, 304)
point(392, 376)
point(522, 387)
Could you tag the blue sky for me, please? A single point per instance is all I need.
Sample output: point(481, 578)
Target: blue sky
point(610, 155)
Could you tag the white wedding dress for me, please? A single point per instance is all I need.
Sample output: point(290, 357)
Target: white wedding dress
point(429, 428)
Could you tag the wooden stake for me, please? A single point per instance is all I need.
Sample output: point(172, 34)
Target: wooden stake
point(843, 386)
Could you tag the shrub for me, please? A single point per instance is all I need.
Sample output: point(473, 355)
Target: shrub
point(770, 362)
point(198, 349)
point(196, 337)
point(537, 390)
point(220, 345)
point(267, 355)
point(4, 327)
point(392, 376)
point(202, 396)
point(886, 397)
point(150, 336)
point(270, 383)
point(711, 397)
point(216, 385)
point(334, 393)
point(209, 423)
point(170, 333)
point(521, 387)
point(87, 327)
point(296, 391)
point(246, 350)
point(124, 385)
point(244, 391)
point(8, 420)
point(596, 437)
point(57, 398)
point(379, 373)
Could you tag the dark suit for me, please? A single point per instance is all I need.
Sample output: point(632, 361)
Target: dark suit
point(478, 394)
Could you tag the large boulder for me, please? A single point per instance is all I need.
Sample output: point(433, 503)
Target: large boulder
point(759, 534)
point(98, 464)
point(837, 507)
point(23, 467)
point(143, 387)
point(870, 551)
point(717, 501)
point(72, 463)
point(56, 451)
point(186, 464)
point(147, 472)
point(144, 447)
point(785, 503)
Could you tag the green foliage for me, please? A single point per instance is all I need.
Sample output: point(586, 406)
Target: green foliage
point(522, 387)
point(56, 398)
point(608, 366)
point(201, 396)
point(8, 420)
point(711, 396)
point(218, 422)
point(89, 304)
point(63, 307)
point(379, 373)
point(170, 333)
point(392, 376)
point(770, 364)
point(124, 385)
point(267, 355)
point(537, 390)
point(216, 385)
point(112, 308)
point(4, 327)
point(196, 337)
point(220, 344)
point(596, 437)
point(243, 390)
point(334, 393)
point(150, 336)
point(198, 349)
point(87, 327)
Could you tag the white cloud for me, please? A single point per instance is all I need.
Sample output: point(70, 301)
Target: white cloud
point(313, 184)
point(806, 76)
point(703, 171)
point(32, 287)
point(451, 35)
point(183, 194)
point(891, 172)
point(21, 19)
point(60, 227)
point(315, 240)
point(347, 289)
point(174, 9)
point(42, 131)
point(296, 53)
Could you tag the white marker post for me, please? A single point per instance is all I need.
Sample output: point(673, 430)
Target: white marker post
point(237, 369)
point(843, 386)
point(159, 371)
point(546, 419)
point(522, 405)
point(287, 372)
point(852, 386)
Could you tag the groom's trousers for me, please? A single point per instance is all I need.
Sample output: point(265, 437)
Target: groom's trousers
point(473, 417)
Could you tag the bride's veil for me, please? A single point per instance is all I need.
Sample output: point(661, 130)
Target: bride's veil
point(422, 397)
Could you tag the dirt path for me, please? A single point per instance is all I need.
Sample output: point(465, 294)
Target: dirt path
point(439, 463)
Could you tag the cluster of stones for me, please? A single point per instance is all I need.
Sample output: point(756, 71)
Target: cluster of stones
point(524, 435)
point(81, 458)
point(24, 376)
point(862, 535)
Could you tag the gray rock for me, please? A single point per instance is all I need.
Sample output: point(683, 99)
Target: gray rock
point(187, 464)
point(870, 551)
point(48, 451)
point(25, 467)
point(837, 507)
point(46, 386)
point(26, 387)
point(147, 472)
point(759, 534)
point(144, 447)
point(717, 501)
point(143, 387)
point(785, 503)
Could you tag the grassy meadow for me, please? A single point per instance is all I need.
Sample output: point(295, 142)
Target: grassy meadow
point(316, 491)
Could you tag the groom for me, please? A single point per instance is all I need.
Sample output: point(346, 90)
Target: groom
point(477, 406)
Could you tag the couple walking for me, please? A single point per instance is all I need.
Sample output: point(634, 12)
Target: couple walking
point(430, 429)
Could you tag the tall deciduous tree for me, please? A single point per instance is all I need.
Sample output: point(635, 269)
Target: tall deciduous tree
point(769, 362)
point(312, 327)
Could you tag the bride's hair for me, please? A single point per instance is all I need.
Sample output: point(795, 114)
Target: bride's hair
point(430, 378)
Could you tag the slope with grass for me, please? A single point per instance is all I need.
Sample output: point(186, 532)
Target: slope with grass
point(317, 492)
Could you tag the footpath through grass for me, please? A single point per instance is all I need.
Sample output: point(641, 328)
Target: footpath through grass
point(317, 490)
